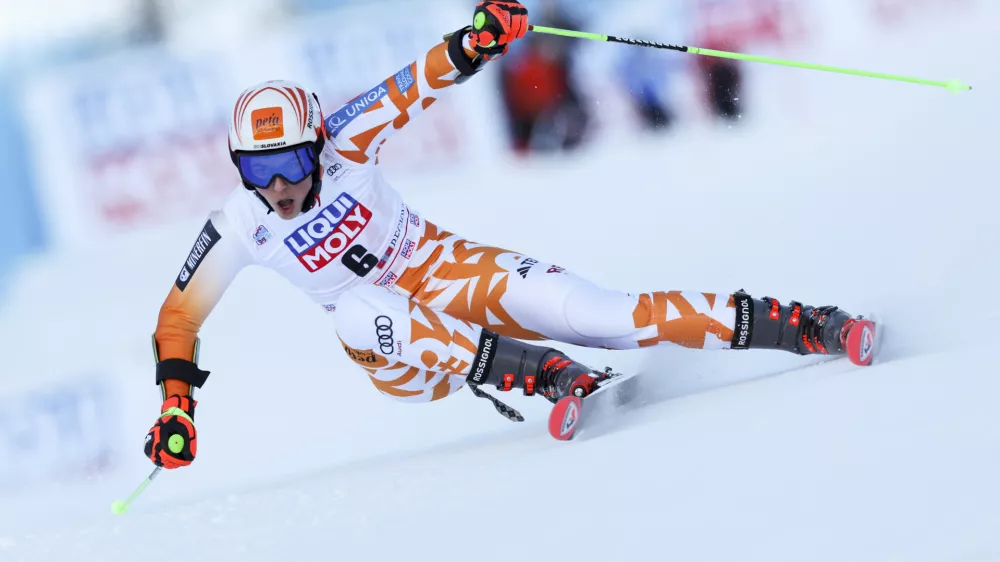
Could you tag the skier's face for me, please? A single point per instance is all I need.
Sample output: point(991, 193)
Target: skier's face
point(287, 198)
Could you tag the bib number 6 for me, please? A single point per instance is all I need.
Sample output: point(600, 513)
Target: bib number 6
point(358, 260)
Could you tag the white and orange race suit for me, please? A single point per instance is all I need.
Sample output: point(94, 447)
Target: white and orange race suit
point(409, 298)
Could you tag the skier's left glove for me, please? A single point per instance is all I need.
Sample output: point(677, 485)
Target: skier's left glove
point(495, 25)
point(173, 441)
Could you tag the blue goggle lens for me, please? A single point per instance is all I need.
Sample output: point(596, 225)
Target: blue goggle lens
point(259, 170)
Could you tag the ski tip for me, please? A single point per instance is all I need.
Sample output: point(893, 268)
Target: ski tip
point(565, 417)
point(861, 343)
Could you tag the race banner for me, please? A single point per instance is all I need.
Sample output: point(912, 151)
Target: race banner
point(138, 141)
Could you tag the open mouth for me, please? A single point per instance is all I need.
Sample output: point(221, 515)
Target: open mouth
point(286, 205)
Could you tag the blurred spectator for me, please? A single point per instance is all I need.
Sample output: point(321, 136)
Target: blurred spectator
point(150, 22)
point(544, 107)
point(190, 24)
point(646, 76)
point(732, 25)
point(723, 80)
point(725, 25)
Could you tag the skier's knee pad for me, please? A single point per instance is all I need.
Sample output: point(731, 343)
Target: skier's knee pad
point(595, 312)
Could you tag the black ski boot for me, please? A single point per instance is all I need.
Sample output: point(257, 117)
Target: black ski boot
point(804, 330)
point(507, 364)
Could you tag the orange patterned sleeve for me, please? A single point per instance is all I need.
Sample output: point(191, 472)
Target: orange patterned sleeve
point(213, 262)
point(360, 127)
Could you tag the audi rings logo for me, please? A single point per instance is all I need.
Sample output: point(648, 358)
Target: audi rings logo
point(383, 329)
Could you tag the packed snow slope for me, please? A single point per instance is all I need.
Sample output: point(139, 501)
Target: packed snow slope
point(879, 197)
point(895, 463)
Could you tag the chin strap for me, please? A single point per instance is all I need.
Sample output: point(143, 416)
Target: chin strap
point(313, 196)
point(270, 209)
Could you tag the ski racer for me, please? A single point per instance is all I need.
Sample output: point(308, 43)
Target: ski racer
point(420, 309)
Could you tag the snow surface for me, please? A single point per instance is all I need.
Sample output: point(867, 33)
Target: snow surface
point(897, 462)
point(882, 198)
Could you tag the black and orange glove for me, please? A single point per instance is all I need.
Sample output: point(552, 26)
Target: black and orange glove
point(173, 441)
point(495, 25)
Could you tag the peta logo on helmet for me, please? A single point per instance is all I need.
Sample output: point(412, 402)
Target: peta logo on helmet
point(325, 237)
point(267, 123)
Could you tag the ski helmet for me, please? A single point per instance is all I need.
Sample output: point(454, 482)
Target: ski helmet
point(277, 130)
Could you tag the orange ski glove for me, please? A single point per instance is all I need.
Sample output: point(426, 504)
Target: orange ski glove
point(495, 25)
point(173, 441)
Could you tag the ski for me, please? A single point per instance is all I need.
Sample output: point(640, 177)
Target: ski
point(572, 414)
point(862, 344)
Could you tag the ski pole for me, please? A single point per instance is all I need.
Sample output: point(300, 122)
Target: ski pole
point(952, 85)
point(120, 507)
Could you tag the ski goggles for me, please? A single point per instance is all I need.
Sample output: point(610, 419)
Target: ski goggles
point(292, 165)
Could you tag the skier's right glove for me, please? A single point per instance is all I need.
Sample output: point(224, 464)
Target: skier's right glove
point(173, 441)
point(496, 24)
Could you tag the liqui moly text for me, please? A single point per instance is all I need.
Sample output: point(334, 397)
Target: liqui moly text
point(321, 240)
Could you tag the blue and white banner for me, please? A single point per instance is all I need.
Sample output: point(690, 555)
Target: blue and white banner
point(138, 140)
point(66, 432)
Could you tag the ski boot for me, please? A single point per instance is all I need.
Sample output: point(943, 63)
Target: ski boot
point(805, 330)
point(507, 364)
